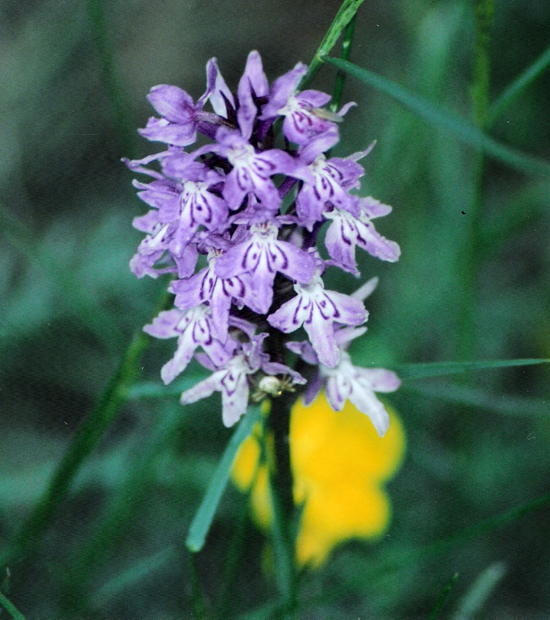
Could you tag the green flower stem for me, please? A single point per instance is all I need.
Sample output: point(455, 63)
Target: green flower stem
point(281, 486)
point(199, 607)
point(484, 11)
point(345, 54)
point(235, 552)
point(122, 110)
point(85, 440)
point(436, 612)
point(345, 14)
point(10, 608)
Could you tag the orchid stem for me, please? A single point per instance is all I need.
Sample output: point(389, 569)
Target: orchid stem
point(484, 13)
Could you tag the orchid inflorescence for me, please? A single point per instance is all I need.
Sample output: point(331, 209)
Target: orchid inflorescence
point(255, 212)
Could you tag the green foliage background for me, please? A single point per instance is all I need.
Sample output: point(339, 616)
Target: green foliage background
point(74, 80)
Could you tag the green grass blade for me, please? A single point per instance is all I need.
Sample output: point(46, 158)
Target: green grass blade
point(122, 111)
point(205, 514)
point(10, 608)
point(82, 445)
point(86, 439)
point(345, 14)
point(129, 578)
point(340, 79)
point(438, 369)
point(443, 597)
point(517, 87)
point(435, 115)
point(481, 590)
point(503, 404)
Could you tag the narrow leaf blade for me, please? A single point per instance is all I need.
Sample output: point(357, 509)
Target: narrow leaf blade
point(10, 608)
point(438, 369)
point(205, 514)
point(519, 85)
point(435, 115)
point(346, 13)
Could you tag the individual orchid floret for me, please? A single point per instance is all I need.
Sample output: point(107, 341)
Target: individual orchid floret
point(348, 231)
point(219, 293)
point(194, 329)
point(233, 380)
point(252, 86)
point(155, 248)
point(358, 385)
point(180, 116)
point(318, 310)
point(181, 209)
point(252, 170)
point(332, 180)
point(262, 255)
point(348, 382)
point(304, 116)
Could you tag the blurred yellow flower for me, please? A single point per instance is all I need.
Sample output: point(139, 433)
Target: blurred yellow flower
point(339, 465)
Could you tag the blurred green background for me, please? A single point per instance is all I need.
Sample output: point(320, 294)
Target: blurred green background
point(74, 80)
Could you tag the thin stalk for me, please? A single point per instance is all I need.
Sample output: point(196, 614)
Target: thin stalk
point(340, 79)
point(114, 90)
point(235, 551)
point(10, 608)
point(281, 490)
point(345, 14)
point(83, 443)
point(199, 606)
point(436, 612)
point(483, 14)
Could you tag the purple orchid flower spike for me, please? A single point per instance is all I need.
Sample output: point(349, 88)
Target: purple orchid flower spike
point(318, 310)
point(262, 255)
point(194, 329)
point(254, 213)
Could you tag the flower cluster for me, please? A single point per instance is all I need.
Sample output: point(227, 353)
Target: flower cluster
point(237, 220)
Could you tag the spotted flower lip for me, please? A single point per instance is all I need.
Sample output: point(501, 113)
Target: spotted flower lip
point(358, 385)
point(194, 329)
point(233, 380)
point(207, 287)
point(346, 232)
point(317, 310)
point(238, 222)
point(262, 255)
